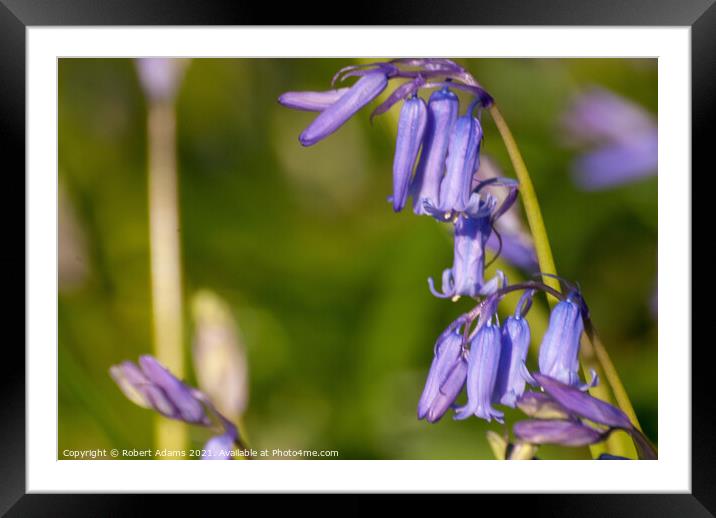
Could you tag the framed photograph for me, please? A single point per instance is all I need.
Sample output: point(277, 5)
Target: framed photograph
point(366, 258)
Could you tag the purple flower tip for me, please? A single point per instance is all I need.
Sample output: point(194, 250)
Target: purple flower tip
point(219, 447)
point(151, 385)
point(311, 101)
point(367, 88)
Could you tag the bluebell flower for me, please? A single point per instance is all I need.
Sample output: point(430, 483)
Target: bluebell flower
point(150, 385)
point(411, 128)
point(367, 88)
point(620, 136)
point(466, 276)
point(442, 112)
point(462, 162)
point(446, 376)
point(558, 353)
point(462, 146)
point(483, 363)
point(515, 343)
point(311, 101)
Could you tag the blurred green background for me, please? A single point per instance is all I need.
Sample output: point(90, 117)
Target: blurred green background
point(326, 284)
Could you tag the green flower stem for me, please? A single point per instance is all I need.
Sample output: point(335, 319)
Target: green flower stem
point(612, 376)
point(530, 203)
point(594, 357)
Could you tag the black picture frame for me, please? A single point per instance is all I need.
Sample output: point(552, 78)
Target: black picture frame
point(17, 15)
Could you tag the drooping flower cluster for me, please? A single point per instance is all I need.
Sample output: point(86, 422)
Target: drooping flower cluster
point(437, 154)
point(437, 163)
point(496, 356)
point(150, 385)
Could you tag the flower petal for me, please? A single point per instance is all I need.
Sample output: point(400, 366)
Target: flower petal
point(411, 128)
point(329, 120)
point(582, 404)
point(311, 101)
point(442, 112)
point(548, 431)
point(180, 395)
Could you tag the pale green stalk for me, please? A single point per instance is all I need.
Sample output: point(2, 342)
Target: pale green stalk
point(165, 261)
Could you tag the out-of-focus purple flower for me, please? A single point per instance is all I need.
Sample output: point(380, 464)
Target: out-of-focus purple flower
point(367, 88)
point(516, 248)
point(580, 403)
point(482, 368)
point(311, 101)
point(466, 277)
point(515, 342)
point(445, 378)
point(151, 385)
point(411, 128)
point(462, 162)
point(442, 112)
point(554, 431)
point(600, 116)
point(622, 136)
point(160, 77)
point(558, 353)
point(625, 162)
point(219, 447)
point(514, 242)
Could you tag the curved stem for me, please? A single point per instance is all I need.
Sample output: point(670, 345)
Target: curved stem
point(610, 372)
point(596, 357)
point(529, 200)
